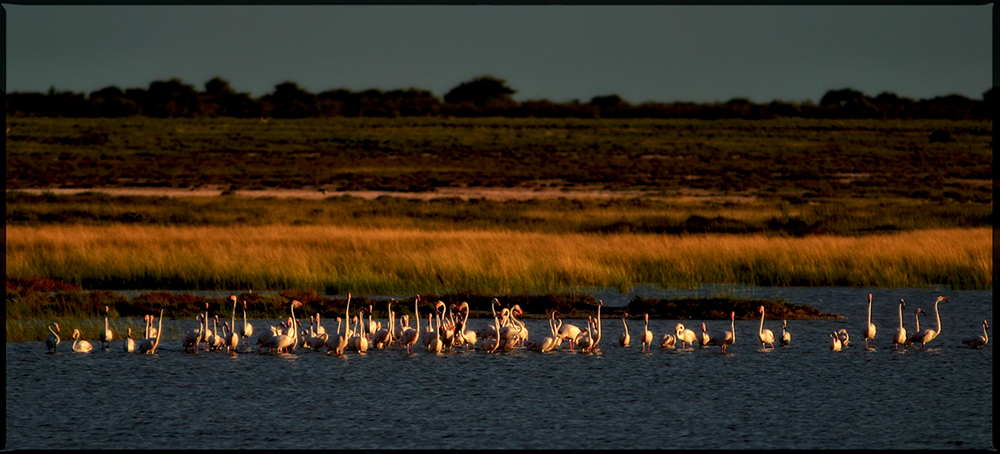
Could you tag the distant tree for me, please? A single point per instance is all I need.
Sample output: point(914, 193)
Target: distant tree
point(288, 101)
point(172, 98)
point(112, 102)
point(480, 91)
point(609, 106)
point(782, 109)
point(337, 103)
point(219, 99)
point(414, 102)
point(849, 103)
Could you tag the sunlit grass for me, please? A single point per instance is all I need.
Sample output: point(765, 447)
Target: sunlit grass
point(387, 260)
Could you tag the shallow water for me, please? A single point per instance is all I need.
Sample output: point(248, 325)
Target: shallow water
point(798, 397)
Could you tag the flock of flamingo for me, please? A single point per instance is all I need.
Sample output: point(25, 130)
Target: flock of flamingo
point(448, 329)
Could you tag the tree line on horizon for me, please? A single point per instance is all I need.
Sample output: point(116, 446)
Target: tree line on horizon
point(481, 97)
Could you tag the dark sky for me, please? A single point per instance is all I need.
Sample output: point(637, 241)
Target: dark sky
point(642, 53)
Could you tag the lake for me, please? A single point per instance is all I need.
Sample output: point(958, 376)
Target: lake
point(802, 396)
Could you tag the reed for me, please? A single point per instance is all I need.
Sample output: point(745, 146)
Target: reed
point(392, 261)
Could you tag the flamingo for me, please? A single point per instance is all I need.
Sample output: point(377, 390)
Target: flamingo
point(570, 332)
point(845, 338)
point(286, 340)
point(338, 343)
point(548, 343)
point(106, 335)
point(900, 337)
point(192, 337)
point(597, 327)
point(624, 338)
point(586, 338)
point(232, 340)
point(786, 337)
point(52, 340)
point(149, 346)
point(215, 339)
point(383, 337)
point(468, 336)
point(725, 338)
point(81, 346)
point(410, 337)
point(835, 343)
point(361, 340)
point(928, 335)
point(247, 330)
point(870, 329)
point(686, 336)
point(319, 329)
point(704, 337)
point(490, 344)
point(267, 334)
point(522, 332)
point(766, 336)
point(206, 334)
point(668, 341)
point(916, 320)
point(150, 331)
point(487, 331)
point(129, 343)
point(647, 336)
point(979, 341)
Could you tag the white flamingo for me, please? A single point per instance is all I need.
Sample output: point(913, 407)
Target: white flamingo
point(668, 341)
point(597, 326)
point(786, 337)
point(686, 336)
point(979, 341)
point(232, 340)
point(845, 339)
point(624, 338)
point(928, 335)
point(703, 338)
point(338, 343)
point(586, 338)
point(725, 338)
point(490, 344)
point(106, 335)
point(129, 343)
point(149, 346)
point(647, 336)
point(52, 340)
point(548, 343)
point(766, 336)
point(570, 332)
point(870, 329)
point(835, 344)
point(410, 337)
point(468, 337)
point(247, 329)
point(81, 346)
point(900, 337)
point(192, 337)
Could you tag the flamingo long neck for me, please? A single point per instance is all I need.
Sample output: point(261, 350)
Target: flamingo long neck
point(57, 336)
point(869, 309)
point(598, 338)
point(937, 315)
point(732, 326)
point(916, 316)
point(986, 335)
point(901, 317)
point(234, 316)
point(625, 324)
point(761, 329)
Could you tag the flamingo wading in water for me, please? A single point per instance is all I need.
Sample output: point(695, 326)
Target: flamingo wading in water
point(766, 336)
point(725, 338)
point(928, 335)
point(979, 341)
point(870, 329)
point(52, 340)
point(900, 337)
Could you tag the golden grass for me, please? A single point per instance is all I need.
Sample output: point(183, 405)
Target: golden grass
point(387, 260)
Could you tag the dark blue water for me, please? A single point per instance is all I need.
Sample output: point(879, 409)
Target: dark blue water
point(798, 397)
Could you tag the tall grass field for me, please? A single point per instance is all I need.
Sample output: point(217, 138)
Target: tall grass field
point(403, 261)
